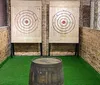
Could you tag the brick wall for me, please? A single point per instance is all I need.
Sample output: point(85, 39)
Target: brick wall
point(4, 43)
point(62, 49)
point(27, 49)
point(90, 46)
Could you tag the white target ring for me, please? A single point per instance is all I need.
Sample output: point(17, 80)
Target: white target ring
point(63, 22)
point(26, 21)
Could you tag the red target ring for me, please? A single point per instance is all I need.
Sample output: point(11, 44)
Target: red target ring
point(26, 21)
point(63, 22)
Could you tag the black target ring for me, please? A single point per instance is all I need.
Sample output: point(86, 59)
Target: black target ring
point(57, 25)
point(65, 26)
point(25, 28)
point(23, 24)
point(26, 21)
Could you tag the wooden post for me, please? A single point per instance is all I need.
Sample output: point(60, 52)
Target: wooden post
point(45, 32)
point(3, 13)
point(95, 13)
point(81, 13)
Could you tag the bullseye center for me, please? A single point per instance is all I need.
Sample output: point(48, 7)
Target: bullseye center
point(63, 22)
point(26, 21)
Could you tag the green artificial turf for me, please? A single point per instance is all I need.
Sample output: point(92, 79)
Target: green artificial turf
point(76, 71)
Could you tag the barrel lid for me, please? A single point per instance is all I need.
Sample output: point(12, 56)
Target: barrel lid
point(47, 61)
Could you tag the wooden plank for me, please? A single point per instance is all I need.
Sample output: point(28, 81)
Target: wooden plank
point(64, 22)
point(25, 21)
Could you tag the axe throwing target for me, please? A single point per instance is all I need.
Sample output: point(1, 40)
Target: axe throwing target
point(63, 22)
point(26, 21)
point(26, 16)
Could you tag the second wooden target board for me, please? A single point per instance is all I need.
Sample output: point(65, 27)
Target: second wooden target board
point(25, 21)
point(64, 22)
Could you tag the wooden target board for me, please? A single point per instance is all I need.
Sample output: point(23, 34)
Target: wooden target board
point(25, 21)
point(64, 22)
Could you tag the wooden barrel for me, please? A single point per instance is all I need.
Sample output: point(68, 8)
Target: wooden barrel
point(46, 71)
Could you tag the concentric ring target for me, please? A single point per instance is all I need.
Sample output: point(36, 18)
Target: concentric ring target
point(63, 22)
point(26, 21)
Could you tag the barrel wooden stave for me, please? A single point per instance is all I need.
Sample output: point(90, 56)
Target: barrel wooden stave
point(42, 74)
